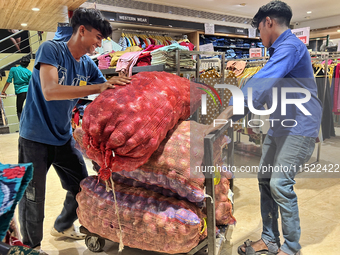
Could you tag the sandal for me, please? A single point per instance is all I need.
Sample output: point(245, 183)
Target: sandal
point(250, 250)
point(70, 233)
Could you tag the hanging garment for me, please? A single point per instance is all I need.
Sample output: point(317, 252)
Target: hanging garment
point(327, 124)
point(335, 90)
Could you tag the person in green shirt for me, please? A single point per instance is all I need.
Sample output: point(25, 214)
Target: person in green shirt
point(20, 76)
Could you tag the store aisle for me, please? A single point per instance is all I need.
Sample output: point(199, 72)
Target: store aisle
point(319, 201)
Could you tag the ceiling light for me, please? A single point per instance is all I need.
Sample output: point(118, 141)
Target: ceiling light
point(24, 24)
point(243, 4)
point(338, 30)
point(309, 12)
point(35, 9)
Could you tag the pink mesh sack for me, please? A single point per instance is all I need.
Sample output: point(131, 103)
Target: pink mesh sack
point(149, 220)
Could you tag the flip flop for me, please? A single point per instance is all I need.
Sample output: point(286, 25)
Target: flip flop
point(250, 251)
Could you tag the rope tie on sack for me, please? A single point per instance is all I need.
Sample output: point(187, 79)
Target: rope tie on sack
point(121, 245)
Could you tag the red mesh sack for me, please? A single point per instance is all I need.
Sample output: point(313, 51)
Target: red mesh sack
point(149, 220)
point(125, 125)
point(173, 165)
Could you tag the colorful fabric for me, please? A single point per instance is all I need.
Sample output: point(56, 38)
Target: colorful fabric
point(13, 182)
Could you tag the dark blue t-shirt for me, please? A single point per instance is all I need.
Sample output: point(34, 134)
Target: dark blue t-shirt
point(49, 121)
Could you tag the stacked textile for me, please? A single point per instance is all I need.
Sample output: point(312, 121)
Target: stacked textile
point(167, 56)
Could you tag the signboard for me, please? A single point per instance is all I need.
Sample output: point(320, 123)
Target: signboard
point(209, 29)
point(240, 31)
point(207, 47)
point(132, 18)
point(255, 52)
point(251, 32)
point(302, 34)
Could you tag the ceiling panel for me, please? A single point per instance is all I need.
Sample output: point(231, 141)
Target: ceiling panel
point(15, 12)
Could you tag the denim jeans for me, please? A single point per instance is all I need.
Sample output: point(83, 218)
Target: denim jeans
point(71, 169)
point(280, 161)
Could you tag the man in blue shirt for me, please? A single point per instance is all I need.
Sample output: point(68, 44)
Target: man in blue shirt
point(62, 73)
point(291, 139)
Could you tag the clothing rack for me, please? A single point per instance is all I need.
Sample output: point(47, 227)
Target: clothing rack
point(323, 56)
point(251, 62)
point(139, 31)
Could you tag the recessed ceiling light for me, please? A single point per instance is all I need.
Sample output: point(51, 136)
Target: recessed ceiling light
point(309, 12)
point(35, 9)
point(243, 4)
point(24, 24)
point(338, 30)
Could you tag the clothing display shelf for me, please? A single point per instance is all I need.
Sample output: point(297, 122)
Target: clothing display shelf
point(198, 54)
point(257, 150)
point(194, 37)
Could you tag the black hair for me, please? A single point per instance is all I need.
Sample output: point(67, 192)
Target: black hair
point(275, 9)
point(25, 61)
point(91, 18)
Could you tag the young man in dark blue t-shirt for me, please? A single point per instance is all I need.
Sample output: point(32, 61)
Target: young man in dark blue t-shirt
point(62, 74)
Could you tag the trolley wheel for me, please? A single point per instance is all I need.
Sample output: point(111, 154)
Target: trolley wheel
point(94, 243)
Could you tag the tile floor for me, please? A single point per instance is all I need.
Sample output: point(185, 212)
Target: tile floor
point(319, 203)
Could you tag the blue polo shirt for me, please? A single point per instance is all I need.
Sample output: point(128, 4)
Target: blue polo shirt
point(289, 67)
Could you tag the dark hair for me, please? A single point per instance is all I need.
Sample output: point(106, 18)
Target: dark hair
point(275, 9)
point(25, 61)
point(91, 18)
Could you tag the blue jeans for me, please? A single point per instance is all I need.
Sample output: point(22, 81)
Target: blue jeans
point(280, 161)
point(71, 169)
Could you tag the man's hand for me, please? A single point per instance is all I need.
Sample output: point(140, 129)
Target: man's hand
point(3, 94)
point(114, 80)
point(105, 86)
point(119, 80)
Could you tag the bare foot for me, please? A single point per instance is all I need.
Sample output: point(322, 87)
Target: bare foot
point(257, 246)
